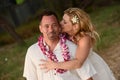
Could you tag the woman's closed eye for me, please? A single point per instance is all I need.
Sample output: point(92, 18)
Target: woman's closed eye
point(64, 22)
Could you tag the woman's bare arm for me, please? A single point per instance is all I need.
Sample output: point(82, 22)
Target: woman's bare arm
point(81, 54)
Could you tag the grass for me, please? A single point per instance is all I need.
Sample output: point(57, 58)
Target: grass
point(107, 22)
point(12, 60)
point(12, 56)
point(107, 38)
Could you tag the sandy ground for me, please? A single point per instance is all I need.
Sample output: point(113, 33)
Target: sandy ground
point(112, 57)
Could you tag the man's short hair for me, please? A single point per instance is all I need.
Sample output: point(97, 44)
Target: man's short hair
point(47, 13)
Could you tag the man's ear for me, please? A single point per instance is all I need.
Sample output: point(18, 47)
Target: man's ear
point(40, 28)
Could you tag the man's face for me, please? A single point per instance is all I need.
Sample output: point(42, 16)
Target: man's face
point(49, 27)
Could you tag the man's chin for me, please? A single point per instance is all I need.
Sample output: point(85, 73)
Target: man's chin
point(52, 37)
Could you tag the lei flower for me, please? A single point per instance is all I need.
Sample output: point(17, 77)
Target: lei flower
point(51, 55)
point(75, 19)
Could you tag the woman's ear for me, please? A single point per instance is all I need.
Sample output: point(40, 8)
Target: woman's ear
point(76, 27)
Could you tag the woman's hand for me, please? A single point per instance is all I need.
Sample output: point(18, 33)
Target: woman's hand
point(47, 64)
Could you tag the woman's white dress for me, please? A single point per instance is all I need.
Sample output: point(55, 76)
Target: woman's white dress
point(103, 70)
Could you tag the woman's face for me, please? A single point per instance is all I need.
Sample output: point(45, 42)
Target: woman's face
point(66, 24)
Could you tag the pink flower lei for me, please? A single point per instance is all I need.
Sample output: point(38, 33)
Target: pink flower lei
point(51, 55)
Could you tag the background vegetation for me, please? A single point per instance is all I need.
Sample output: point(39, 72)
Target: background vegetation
point(106, 20)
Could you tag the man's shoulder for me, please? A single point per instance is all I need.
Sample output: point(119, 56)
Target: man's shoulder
point(34, 50)
point(33, 46)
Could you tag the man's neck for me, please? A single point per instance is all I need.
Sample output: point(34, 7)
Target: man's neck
point(52, 43)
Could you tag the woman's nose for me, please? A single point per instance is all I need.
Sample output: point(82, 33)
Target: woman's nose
point(61, 23)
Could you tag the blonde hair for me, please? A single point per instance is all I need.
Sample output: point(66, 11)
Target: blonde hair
point(85, 25)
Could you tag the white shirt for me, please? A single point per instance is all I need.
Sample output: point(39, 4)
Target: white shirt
point(32, 69)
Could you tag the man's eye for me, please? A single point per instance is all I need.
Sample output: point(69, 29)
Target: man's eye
point(54, 25)
point(46, 26)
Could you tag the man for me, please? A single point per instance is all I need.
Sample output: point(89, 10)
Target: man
point(51, 45)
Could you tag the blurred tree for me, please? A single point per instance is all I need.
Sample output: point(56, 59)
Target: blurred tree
point(5, 6)
point(5, 25)
point(102, 3)
point(16, 2)
point(82, 3)
point(56, 6)
point(20, 1)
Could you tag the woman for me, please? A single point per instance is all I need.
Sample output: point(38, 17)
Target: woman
point(77, 24)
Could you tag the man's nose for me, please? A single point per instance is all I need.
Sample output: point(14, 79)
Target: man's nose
point(51, 28)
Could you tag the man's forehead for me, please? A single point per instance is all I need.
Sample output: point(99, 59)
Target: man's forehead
point(49, 19)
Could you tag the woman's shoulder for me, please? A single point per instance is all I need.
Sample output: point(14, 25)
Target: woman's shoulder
point(85, 41)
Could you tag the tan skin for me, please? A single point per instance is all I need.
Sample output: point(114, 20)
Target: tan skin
point(50, 29)
point(83, 49)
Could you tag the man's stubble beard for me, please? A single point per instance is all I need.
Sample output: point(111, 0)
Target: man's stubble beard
point(53, 36)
